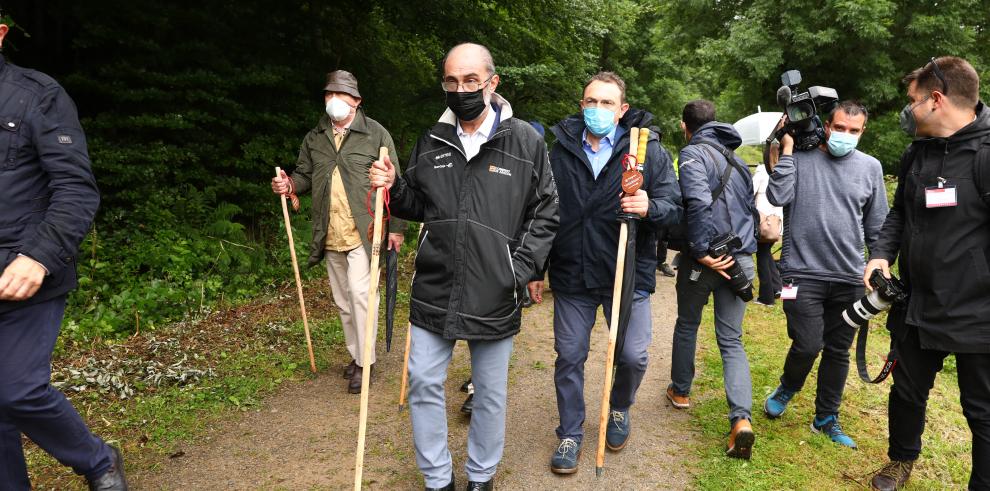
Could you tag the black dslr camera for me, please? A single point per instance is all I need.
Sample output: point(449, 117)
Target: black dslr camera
point(886, 292)
point(728, 243)
point(804, 110)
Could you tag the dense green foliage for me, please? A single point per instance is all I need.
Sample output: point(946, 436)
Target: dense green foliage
point(188, 106)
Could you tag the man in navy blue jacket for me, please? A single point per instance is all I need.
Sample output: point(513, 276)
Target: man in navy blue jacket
point(586, 163)
point(47, 204)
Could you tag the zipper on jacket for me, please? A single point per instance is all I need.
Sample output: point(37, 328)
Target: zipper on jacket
point(512, 268)
point(418, 248)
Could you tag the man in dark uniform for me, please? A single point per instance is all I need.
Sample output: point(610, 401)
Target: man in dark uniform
point(47, 204)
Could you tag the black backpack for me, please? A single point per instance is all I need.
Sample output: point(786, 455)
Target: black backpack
point(676, 234)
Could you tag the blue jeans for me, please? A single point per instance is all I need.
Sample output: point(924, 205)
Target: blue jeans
point(573, 320)
point(429, 356)
point(30, 405)
point(692, 296)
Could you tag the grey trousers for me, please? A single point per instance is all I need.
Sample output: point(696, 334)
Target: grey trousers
point(429, 356)
point(692, 296)
point(573, 320)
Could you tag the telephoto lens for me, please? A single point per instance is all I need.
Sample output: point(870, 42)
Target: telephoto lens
point(885, 293)
point(726, 244)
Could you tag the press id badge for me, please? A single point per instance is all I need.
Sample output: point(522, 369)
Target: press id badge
point(789, 292)
point(940, 196)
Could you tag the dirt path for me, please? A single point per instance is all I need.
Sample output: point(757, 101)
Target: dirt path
point(304, 436)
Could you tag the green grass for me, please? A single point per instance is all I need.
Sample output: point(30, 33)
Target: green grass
point(787, 455)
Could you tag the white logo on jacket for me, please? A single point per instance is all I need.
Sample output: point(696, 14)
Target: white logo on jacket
point(444, 166)
point(499, 170)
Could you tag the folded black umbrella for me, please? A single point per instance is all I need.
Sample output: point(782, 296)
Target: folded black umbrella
point(628, 287)
point(391, 289)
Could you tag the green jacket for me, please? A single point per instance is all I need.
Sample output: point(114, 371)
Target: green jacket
point(317, 160)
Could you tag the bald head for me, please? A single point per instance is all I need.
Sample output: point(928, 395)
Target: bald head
point(469, 58)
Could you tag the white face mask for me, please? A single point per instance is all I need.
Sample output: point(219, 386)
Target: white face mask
point(337, 109)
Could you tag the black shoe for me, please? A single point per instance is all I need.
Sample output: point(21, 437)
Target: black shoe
point(349, 369)
point(468, 406)
point(467, 387)
point(113, 479)
point(893, 476)
point(354, 384)
point(488, 485)
point(666, 270)
point(449, 487)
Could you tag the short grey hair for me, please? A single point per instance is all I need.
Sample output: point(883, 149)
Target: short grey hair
point(485, 54)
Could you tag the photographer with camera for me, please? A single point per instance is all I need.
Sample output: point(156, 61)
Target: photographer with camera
point(834, 203)
point(719, 208)
point(940, 228)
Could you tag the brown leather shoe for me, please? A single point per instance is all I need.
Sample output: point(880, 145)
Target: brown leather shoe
point(893, 476)
point(678, 401)
point(354, 385)
point(349, 369)
point(741, 440)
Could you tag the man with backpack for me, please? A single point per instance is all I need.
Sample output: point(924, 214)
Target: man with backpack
point(834, 202)
point(939, 227)
point(719, 203)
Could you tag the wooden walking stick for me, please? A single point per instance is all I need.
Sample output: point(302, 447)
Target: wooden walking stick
point(629, 186)
point(369, 326)
point(295, 269)
point(405, 360)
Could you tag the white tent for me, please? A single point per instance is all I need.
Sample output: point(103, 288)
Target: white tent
point(756, 127)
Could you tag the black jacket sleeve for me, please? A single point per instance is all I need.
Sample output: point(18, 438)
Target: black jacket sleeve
point(406, 201)
point(541, 222)
point(888, 244)
point(664, 193)
point(61, 148)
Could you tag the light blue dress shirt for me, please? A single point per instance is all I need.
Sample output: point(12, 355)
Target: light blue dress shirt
point(605, 146)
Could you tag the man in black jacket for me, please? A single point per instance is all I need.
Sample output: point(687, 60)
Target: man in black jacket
point(939, 230)
point(480, 182)
point(47, 204)
point(718, 201)
point(587, 166)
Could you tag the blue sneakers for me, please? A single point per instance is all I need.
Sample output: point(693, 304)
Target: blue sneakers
point(830, 426)
point(565, 458)
point(617, 431)
point(776, 404)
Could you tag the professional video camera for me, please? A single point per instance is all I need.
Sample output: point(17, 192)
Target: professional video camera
point(728, 243)
point(803, 110)
point(886, 292)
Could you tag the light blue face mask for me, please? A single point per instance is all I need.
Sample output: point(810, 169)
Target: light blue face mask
point(599, 121)
point(841, 144)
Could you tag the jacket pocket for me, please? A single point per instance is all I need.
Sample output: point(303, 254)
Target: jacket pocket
point(9, 141)
point(434, 267)
point(980, 268)
point(489, 288)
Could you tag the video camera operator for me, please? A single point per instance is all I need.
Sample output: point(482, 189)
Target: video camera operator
point(834, 203)
point(718, 260)
point(940, 228)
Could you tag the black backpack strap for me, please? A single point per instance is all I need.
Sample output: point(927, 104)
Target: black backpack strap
point(733, 161)
point(981, 171)
point(717, 192)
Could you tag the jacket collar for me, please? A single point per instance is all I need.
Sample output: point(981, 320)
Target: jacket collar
point(446, 128)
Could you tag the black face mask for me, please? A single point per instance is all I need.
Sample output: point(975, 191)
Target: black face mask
point(467, 106)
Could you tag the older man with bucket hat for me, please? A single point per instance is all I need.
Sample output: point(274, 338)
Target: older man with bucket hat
point(333, 165)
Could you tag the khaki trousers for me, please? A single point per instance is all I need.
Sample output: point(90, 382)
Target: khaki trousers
point(350, 274)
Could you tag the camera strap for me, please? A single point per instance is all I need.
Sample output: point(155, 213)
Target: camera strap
point(888, 363)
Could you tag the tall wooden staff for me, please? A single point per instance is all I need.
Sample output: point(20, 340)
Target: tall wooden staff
point(369, 326)
point(631, 182)
point(295, 269)
point(405, 358)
